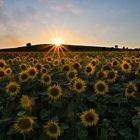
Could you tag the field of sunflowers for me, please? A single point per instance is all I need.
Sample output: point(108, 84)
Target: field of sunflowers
point(88, 96)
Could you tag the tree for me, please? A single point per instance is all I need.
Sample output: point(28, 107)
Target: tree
point(28, 45)
point(116, 46)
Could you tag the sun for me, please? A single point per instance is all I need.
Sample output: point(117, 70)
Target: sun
point(57, 42)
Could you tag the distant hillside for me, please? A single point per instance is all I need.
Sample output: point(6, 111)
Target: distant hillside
point(46, 47)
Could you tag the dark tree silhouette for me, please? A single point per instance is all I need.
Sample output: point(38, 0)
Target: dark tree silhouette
point(28, 45)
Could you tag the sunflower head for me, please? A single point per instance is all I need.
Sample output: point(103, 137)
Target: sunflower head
point(79, 85)
point(24, 124)
point(2, 73)
point(2, 63)
point(23, 67)
point(89, 69)
point(89, 118)
point(52, 129)
point(101, 87)
point(32, 72)
point(77, 66)
point(26, 102)
point(46, 79)
point(71, 74)
point(126, 67)
point(111, 76)
point(101, 74)
point(13, 88)
point(54, 92)
point(24, 76)
point(130, 89)
point(8, 71)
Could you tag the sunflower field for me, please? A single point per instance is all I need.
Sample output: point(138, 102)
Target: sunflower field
point(88, 96)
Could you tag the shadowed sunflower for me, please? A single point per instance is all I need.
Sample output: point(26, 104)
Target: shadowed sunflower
point(32, 72)
point(26, 102)
point(111, 76)
point(79, 85)
point(8, 71)
point(52, 129)
point(130, 89)
point(23, 76)
point(24, 124)
point(23, 67)
point(77, 66)
point(54, 92)
point(101, 74)
point(71, 74)
point(13, 88)
point(125, 66)
point(71, 83)
point(89, 118)
point(89, 69)
point(137, 73)
point(46, 79)
point(2, 73)
point(101, 87)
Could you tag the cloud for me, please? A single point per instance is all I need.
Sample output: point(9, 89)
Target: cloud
point(1, 2)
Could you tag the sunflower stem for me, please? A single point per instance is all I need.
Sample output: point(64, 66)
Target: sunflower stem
point(24, 137)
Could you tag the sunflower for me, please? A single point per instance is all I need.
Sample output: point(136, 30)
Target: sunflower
point(71, 74)
point(66, 67)
point(26, 102)
point(54, 92)
point(2, 63)
point(46, 79)
point(32, 72)
point(89, 118)
point(8, 71)
point(77, 66)
point(2, 73)
point(101, 87)
point(24, 76)
point(89, 69)
point(94, 62)
point(79, 85)
point(43, 70)
point(125, 66)
point(13, 88)
point(52, 129)
point(101, 74)
point(47, 66)
point(23, 67)
point(71, 83)
point(137, 72)
point(115, 63)
point(111, 76)
point(24, 124)
point(130, 89)
point(38, 66)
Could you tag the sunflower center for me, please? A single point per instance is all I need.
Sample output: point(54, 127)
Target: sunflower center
point(23, 67)
point(1, 64)
point(52, 128)
point(101, 87)
point(93, 63)
point(1, 73)
point(24, 76)
point(88, 69)
point(24, 123)
point(12, 88)
point(32, 72)
point(126, 66)
point(76, 66)
point(111, 75)
point(71, 74)
point(89, 117)
point(46, 78)
point(8, 71)
point(115, 63)
point(79, 85)
point(54, 91)
point(130, 89)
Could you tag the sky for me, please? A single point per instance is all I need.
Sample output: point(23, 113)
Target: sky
point(85, 22)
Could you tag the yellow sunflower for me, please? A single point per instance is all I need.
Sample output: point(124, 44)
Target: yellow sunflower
point(130, 89)
point(112, 76)
point(23, 67)
point(71, 74)
point(54, 92)
point(24, 124)
point(8, 71)
point(71, 83)
point(24, 76)
point(77, 66)
point(26, 102)
point(115, 63)
point(32, 72)
point(89, 118)
point(52, 129)
point(125, 66)
point(2, 63)
point(79, 85)
point(66, 67)
point(89, 69)
point(101, 87)
point(101, 74)
point(2, 73)
point(46, 79)
point(13, 88)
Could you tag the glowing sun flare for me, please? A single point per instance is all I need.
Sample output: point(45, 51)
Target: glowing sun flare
point(57, 42)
